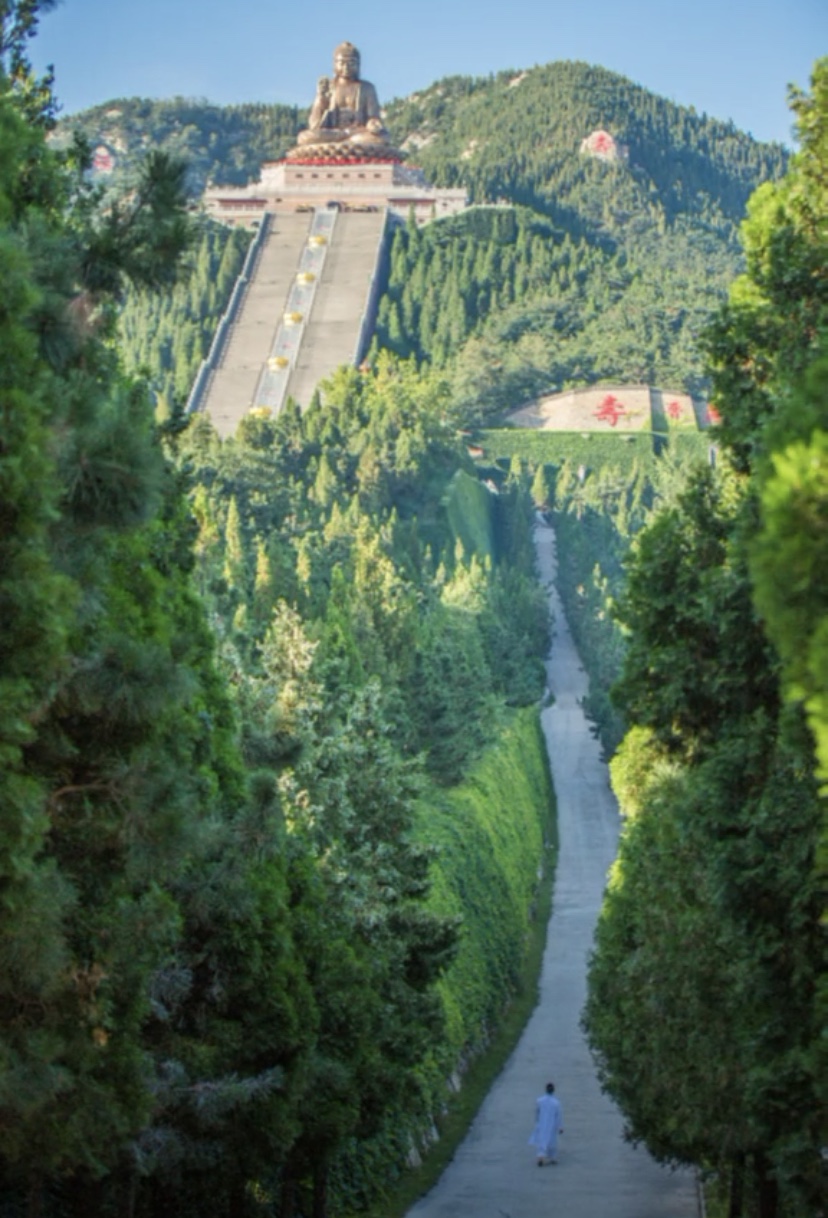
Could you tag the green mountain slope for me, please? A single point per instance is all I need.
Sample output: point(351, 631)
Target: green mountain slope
point(612, 263)
point(517, 136)
point(509, 137)
point(219, 143)
point(606, 271)
point(514, 307)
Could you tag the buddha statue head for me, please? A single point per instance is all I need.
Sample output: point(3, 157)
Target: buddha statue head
point(346, 61)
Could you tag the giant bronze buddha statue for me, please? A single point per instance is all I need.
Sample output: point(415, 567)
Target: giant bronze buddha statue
point(345, 116)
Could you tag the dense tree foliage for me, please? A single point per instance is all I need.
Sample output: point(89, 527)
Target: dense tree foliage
point(517, 307)
point(218, 143)
point(214, 903)
point(247, 685)
point(346, 512)
point(112, 769)
point(719, 889)
point(370, 656)
point(165, 337)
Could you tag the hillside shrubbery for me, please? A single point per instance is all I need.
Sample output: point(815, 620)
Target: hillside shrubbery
point(518, 308)
point(720, 884)
point(166, 337)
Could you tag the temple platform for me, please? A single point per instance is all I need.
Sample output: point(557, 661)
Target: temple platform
point(348, 184)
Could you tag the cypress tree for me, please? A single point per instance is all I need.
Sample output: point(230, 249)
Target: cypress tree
point(235, 559)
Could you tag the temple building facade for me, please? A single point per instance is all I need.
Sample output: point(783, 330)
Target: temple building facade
point(348, 184)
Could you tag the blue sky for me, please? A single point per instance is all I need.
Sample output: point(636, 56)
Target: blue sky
point(732, 59)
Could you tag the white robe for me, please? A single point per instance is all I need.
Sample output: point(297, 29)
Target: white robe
point(548, 1120)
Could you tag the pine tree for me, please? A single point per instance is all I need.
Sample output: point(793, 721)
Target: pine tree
point(540, 493)
point(235, 558)
point(36, 615)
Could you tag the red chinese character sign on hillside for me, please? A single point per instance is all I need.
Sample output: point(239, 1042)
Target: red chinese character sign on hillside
point(102, 160)
point(610, 410)
point(604, 146)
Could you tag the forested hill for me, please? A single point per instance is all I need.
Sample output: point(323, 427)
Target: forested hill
point(607, 271)
point(621, 246)
point(507, 136)
point(277, 828)
point(220, 143)
point(516, 136)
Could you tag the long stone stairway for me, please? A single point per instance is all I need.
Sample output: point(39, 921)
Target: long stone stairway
point(232, 386)
point(333, 328)
point(267, 356)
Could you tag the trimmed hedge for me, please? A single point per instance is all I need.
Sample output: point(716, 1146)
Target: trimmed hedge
point(468, 508)
point(591, 449)
point(494, 834)
point(594, 450)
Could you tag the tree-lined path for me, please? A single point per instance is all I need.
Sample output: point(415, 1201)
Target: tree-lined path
point(493, 1174)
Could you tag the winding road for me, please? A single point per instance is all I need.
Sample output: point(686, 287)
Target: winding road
point(598, 1174)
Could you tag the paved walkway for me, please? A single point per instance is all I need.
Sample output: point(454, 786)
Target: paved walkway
point(598, 1175)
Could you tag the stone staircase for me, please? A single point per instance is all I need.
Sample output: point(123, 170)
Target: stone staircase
point(232, 386)
point(266, 360)
point(333, 329)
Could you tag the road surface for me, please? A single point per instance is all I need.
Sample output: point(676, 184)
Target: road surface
point(598, 1175)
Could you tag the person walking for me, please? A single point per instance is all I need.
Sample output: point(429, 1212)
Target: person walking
point(548, 1118)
